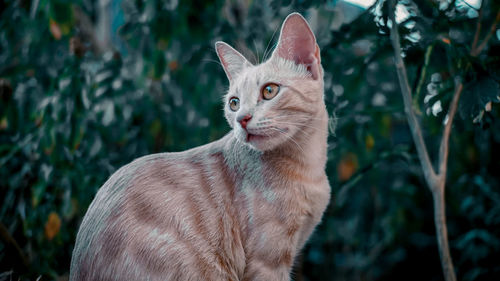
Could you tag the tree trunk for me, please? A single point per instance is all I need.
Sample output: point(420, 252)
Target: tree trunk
point(442, 231)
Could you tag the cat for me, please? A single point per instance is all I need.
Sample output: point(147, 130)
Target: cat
point(239, 208)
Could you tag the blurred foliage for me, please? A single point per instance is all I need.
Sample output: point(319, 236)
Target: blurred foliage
point(76, 104)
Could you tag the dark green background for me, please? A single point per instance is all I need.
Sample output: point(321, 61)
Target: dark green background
point(73, 113)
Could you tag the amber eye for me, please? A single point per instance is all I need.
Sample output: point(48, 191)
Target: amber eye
point(270, 90)
point(234, 103)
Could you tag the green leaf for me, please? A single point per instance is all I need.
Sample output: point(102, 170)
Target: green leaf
point(475, 97)
point(38, 190)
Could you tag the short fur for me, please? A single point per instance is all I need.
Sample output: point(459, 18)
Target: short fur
point(239, 208)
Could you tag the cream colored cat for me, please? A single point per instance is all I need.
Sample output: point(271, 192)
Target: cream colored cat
point(239, 208)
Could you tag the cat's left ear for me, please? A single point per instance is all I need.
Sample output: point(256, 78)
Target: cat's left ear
point(232, 61)
point(297, 43)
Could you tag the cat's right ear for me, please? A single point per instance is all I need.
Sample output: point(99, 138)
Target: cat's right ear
point(297, 43)
point(232, 61)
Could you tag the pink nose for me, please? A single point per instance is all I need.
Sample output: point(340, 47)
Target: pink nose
point(244, 120)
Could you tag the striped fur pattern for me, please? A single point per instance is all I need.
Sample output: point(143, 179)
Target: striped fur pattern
point(238, 208)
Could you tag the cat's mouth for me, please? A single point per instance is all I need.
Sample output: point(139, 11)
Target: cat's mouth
point(254, 137)
point(260, 136)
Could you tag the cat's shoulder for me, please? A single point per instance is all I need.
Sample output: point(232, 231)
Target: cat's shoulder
point(172, 158)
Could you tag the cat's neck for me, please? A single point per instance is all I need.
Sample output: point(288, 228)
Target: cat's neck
point(308, 147)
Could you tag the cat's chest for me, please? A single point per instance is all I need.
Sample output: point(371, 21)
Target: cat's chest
point(279, 215)
point(280, 201)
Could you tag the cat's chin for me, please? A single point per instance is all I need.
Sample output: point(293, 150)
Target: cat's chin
point(260, 142)
point(257, 142)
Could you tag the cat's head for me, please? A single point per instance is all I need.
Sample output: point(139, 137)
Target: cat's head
point(269, 103)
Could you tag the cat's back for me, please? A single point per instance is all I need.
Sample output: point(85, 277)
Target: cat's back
point(161, 207)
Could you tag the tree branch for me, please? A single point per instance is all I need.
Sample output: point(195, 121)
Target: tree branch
point(475, 50)
point(435, 182)
point(493, 28)
point(442, 233)
point(11, 243)
point(478, 27)
point(443, 148)
point(423, 155)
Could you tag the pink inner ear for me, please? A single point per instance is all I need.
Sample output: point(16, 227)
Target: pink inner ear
point(297, 43)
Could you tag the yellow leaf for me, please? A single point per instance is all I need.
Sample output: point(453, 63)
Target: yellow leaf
point(347, 166)
point(4, 124)
point(55, 29)
point(52, 226)
point(173, 65)
point(369, 142)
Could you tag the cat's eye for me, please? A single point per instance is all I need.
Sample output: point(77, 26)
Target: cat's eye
point(270, 90)
point(234, 103)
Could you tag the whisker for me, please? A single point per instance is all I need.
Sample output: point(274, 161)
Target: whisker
point(294, 115)
point(266, 53)
point(211, 60)
point(256, 51)
point(289, 137)
point(301, 125)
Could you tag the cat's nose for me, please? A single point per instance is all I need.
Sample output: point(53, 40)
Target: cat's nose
point(244, 120)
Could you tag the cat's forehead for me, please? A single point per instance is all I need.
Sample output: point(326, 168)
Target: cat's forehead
point(275, 70)
point(251, 75)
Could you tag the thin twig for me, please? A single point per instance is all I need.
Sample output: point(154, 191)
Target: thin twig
point(20, 144)
point(10, 241)
point(423, 74)
point(477, 51)
point(444, 147)
point(354, 179)
point(423, 155)
point(467, 4)
point(478, 27)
